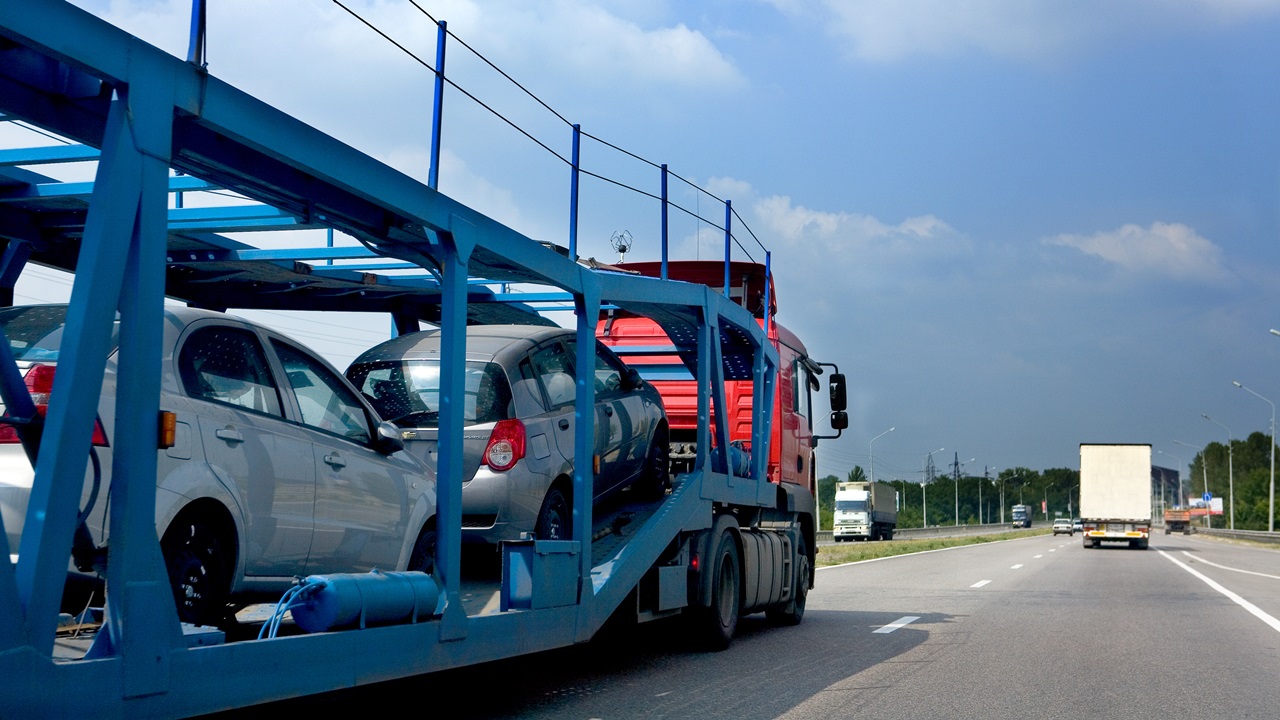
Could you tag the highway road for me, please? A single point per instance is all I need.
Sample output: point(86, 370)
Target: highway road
point(1035, 627)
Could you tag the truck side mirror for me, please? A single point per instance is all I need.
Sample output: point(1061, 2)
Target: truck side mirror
point(839, 420)
point(838, 400)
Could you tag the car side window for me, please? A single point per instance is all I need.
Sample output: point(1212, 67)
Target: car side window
point(555, 371)
point(326, 402)
point(227, 365)
point(609, 371)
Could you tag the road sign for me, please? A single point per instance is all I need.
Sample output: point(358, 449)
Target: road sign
point(1208, 496)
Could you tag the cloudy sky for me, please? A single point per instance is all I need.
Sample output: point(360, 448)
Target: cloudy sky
point(1016, 226)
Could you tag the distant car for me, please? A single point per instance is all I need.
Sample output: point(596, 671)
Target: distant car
point(1063, 525)
point(518, 446)
point(1077, 526)
point(279, 469)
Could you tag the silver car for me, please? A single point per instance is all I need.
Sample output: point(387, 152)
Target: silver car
point(519, 417)
point(279, 467)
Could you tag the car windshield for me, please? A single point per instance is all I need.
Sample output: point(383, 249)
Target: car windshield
point(34, 332)
point(408, 393)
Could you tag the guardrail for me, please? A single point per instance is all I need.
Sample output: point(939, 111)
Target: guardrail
point(1261, 536)
point(824, 536)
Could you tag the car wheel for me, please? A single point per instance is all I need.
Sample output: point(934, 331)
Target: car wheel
point(555, 517)
point(657, 467)
point(791, 613)
point(423, 557)
point(193, 549)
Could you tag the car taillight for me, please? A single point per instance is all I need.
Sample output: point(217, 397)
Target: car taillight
point(506, 445)
point(39, 382)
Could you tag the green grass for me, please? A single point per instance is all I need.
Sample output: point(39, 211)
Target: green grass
point(842, 553)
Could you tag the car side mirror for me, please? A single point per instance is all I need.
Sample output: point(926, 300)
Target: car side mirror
point(388, 439)
point(633, 379)
point(838, 400)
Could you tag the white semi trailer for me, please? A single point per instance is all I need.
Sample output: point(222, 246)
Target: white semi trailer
point(1115, 494)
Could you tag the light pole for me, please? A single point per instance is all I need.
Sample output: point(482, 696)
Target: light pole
point(1178, 500)
point(1231, 474)
point(871, 459)
point(924, 489)
point(1271, 509)
point(957, 474)
point(1208, 513)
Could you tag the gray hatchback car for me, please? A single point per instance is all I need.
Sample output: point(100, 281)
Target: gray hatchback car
point(278, 467)
point(519, 417)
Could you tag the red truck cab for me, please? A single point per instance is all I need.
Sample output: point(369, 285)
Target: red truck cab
point(642, 344)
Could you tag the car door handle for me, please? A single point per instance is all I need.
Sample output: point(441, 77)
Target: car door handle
point(231, 435)
point(335, 460)
point(564, 424)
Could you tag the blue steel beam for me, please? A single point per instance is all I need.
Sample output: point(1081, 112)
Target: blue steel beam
point(46, 155)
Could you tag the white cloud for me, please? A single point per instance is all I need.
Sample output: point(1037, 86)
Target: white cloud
point(891, 30)
point(1169, 249)
point(796, 226)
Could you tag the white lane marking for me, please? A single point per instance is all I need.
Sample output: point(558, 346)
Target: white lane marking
point(1037, 557)
point(1224, 567)
point(899, 623)
point(1015, 567)
point(1053, 549)
point(1253, 609)
point(980, 583)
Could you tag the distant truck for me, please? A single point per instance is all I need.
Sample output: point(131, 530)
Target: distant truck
point(1177, 520)
point(865, 511)
point(1115, 494)
point(1022, 516)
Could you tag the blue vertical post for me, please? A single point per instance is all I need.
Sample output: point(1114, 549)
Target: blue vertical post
point(195, 47)
point(587, 310)
point(768, 287)
point(728, 238)
point(142, 621)
point(575, 171)
point(437, 110)
point(455, 251)
point(665, 229)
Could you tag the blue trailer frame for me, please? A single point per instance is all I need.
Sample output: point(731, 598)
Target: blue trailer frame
point(141, 112)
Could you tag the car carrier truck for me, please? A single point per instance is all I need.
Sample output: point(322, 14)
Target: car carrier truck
point(732, 536)
point(1115, 494)
point(865, 511)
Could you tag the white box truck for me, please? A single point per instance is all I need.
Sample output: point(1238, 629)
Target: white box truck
point(1115, 494)
point(865, 511)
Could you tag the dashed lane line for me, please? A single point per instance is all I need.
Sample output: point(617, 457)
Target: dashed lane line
point(1015, 567)
point(898, 624)
point(979, 584)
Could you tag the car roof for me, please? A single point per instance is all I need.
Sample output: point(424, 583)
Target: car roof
point(484, 342)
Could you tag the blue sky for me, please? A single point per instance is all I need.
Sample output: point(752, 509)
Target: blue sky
point(1017, 226)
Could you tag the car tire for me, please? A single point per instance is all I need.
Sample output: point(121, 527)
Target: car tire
point(657, 467)
point(555, 518)
point(423, 556)
point(194, 555)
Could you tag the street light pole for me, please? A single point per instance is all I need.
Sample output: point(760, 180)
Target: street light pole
point(871, 459)
point(957, 474)
point(1271, 508)
point(1204, 463)
point(1231, 473)
point(924, 490)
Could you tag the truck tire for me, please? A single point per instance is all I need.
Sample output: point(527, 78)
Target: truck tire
point(792, 612)
point(717, 623)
